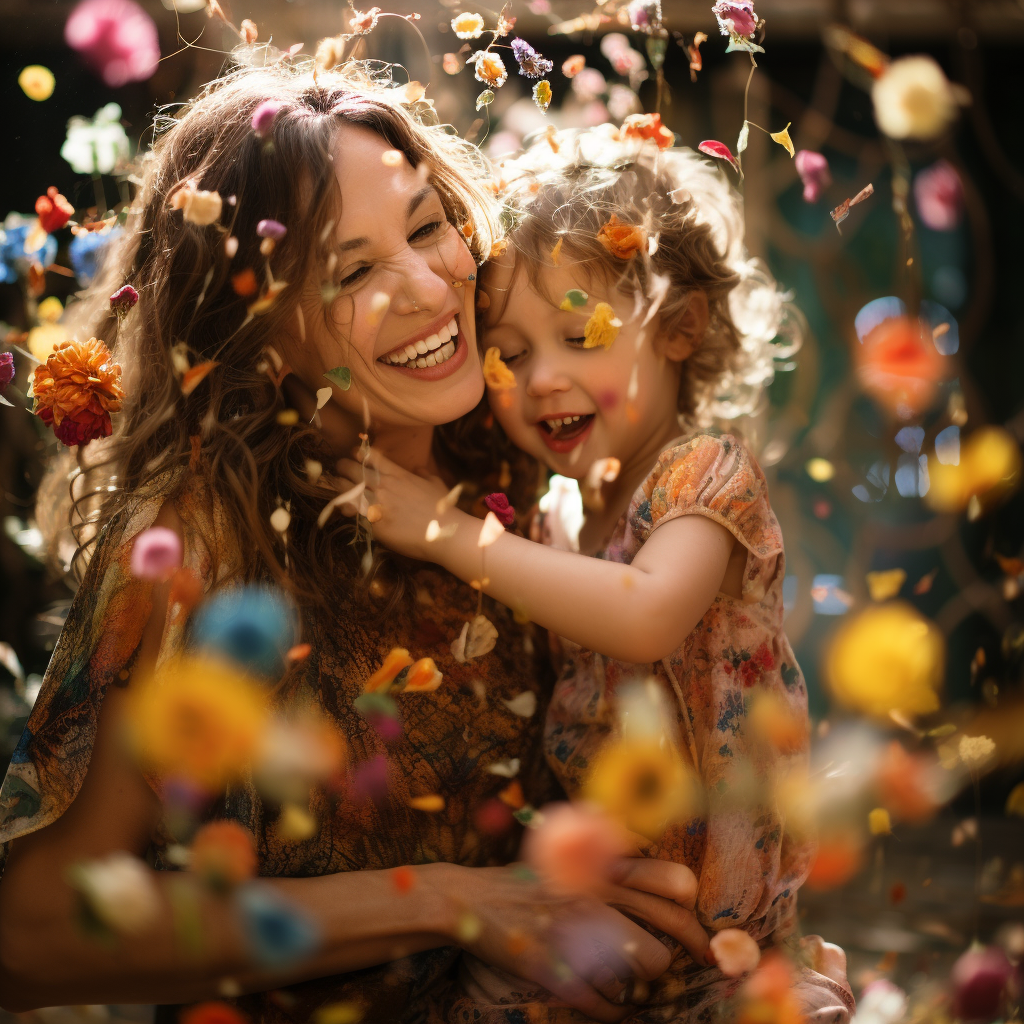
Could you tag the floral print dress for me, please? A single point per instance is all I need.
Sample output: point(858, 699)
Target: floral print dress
point(749, 868)
point(449, 738)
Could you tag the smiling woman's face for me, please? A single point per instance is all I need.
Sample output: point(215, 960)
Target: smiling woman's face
point(414, 364)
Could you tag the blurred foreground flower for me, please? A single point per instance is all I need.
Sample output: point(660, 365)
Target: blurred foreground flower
point(21, 246)
point(96, 146)
point(649, 127)
point(295, 753)
point(76, 390)
point(939, 196)
point(89, 249)
point(988, 469)
point(887, 658)
point(899, 365)
point(117, 38)
point(575, 847)
point(223, 855)
point(980, 979)
point(53, 210)
point(814, 173)
point(119, 891)
point(199, 719)
point(37, 82)
point(913, 99)
point(156, 554)
point(768, 997)
point(735, 951)
point(278, 931)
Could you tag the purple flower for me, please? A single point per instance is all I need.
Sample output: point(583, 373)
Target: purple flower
point(498, 503)
point(156, 554)
point(939, 196)
point(271, 229)
point(980, 978)
point(117, 38)
point(531, 63)
point(123, 300)
point(814, 173)
point(263, 116)
point(6, 370)
point(736, 16)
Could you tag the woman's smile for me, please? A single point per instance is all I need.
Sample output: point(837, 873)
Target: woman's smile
point(433, 354)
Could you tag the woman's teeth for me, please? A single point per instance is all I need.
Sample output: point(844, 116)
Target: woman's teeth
point(557, 424)
point(438, 348)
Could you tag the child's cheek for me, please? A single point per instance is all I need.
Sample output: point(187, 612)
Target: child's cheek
point(608, 400)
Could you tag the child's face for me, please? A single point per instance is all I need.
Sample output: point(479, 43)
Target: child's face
point(558, 380)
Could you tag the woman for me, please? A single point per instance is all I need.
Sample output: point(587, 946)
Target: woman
point(370, 213)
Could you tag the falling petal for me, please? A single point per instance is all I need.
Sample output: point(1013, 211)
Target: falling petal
point(524, 704)
point(196, 375)
point(720, 151)
point(341, 376)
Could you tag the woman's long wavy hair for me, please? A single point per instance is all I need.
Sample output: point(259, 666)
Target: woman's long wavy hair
point(228, 428)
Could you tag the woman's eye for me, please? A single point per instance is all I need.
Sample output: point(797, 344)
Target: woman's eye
point(427, 230)
point(352, 278)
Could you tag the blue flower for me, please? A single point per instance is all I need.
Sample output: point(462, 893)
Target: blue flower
point(88, 249)
point(14, 260)
point(254, 626)
point(531, 63)
point(278, 932)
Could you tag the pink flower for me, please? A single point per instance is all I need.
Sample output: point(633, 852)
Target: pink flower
point(6, 370)
point(123, 299)
point(939, 196)
point(498, 504)
point(271, 229)
point(737, 15)
point(980, 979)
point(264, 114)
point(814, 173)
point(117, 38)
point(720, 151)
point(156, 554)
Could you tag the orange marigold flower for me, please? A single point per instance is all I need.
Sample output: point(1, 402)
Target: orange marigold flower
point(623, 241)
point(77, 389)
point(648, 126)
point(223, 854)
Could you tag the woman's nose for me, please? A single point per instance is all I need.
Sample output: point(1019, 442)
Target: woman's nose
point(424, 284)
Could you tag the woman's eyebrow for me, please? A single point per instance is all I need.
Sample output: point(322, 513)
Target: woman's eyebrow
point(414, 203)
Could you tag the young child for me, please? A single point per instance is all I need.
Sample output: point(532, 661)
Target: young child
point(624, 314)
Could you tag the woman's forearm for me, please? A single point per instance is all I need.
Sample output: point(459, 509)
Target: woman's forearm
point(48, 959)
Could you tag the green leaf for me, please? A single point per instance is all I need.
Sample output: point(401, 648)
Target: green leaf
point(340, 375)
point(485, 99)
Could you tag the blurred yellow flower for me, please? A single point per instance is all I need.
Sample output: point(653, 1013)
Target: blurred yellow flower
point(885, 584)
point(199, 719)
point(42, 340)
point(887, 658)
point(879, 822)
point(644, 783)
point(50, 310)
point(976, 751)
point(989, 467)
point(913, 99)
point(37, 82)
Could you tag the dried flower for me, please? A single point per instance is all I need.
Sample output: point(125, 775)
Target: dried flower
point(735, 952)
point(573, 65)
point(53, 210)
point(542, 94)
point(364, 21)
point(498, 503)
point(6, 370)
point(622, 240)
point(602, 328)
point(223, 854)
point(736, 19)
point(123, 300)
point(531, 63)
point(814, 173)
point(37, 82)
point(271, 229)
point(720, 151)
point(887, 658)
point(783, 139)
point(489, 69)
point(120, 892)
point(116, 37)
point(76, 390)
point(468, 26)
point(197, 206)
point(156, 554)
point(913, 99)
point(644, 15)
point(648, 126)
point(248, 31)
point(496, 374)
point(939, 196)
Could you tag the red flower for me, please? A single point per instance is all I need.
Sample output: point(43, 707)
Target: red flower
point(213, 1013)
point(54, 210)
point(498, 504)
point(648, 126)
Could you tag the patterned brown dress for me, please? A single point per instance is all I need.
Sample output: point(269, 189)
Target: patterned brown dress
point(449, 738)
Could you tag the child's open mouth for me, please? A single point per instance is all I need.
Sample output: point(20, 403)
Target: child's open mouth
point(563, 433)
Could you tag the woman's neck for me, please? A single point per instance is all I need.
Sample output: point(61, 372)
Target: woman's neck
point(412, 448)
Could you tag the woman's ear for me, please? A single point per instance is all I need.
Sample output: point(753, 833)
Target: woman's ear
point(688, 330)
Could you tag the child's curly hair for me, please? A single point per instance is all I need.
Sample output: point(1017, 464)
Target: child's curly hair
point(566, 186)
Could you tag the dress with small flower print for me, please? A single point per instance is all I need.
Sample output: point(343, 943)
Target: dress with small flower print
point(749, 867)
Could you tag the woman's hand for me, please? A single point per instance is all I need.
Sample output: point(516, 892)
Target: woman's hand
point(586, 951)
point(401, 505)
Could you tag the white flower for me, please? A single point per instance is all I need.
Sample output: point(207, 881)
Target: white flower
point(120, 891)
point(97, 146)
point(881, 1002)
point(914, 99)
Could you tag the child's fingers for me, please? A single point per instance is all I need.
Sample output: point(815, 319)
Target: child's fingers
point(660, 877)
point(349, 469)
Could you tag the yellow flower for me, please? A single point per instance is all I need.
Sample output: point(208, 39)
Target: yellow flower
point(489, 69)
point(468, 26)
point(602, 328)
point(42, 340)
point(644, 783)
point(37, 82)
point(496, 373)
point(885, 584)
point(887, 658)
point(913, 99)
point(989, 467)
point(783, 139)
point(199, 719)
point(879, 822)
point(50, 310)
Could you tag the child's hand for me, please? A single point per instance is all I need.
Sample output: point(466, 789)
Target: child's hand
point(399, 504)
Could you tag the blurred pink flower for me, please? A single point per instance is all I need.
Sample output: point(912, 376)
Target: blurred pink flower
point(156, 554)
point(737, 15)
point(117, 38)
point(939, 196)
point(814, 173)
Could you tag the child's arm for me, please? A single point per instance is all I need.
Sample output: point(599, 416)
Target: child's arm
point(638, 613)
